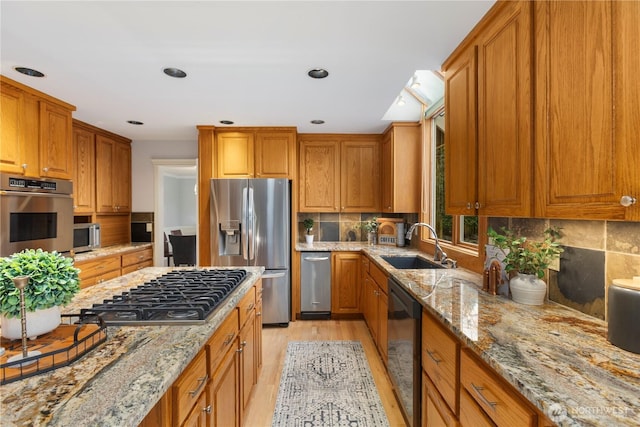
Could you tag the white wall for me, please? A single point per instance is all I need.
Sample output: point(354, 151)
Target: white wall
point(179, 202)
point(142, 185)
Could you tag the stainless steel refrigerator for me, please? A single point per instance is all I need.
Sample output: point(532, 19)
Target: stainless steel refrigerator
point(250, 226)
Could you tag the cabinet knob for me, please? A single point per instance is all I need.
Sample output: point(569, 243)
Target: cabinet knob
point(207, 409)
point(45, 169)
point(24, 166)
point(468, 205)
point(244, 343)
point(627, 201)
point(478, 205)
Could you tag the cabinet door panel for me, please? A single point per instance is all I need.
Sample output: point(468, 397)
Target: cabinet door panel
point(505, 156)
point(345, 283)
point(319, 176)
point(275, 155)
point(460, 135)
point(104, 168)
point(122, 175)
point(235, 155)
point(359, 185)
point(84, 171)
point(575, 138)
point(56, 141)
point(12, 136)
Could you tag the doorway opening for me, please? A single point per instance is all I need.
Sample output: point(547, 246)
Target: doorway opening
point(176, 203)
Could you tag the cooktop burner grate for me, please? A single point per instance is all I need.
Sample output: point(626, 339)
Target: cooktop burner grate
point(178, 297)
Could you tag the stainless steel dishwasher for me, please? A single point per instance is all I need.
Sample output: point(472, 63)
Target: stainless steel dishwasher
point(404, 335)
point(315, 286)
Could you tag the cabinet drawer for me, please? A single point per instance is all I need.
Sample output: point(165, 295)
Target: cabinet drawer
point(440, 359)
point(136, 267)
point(495, 397)
point(246, 305)
point(222, 340)
point(137, 257)
point(98, 267)
point(471, 415)
point(188, 387)
point(379, 277)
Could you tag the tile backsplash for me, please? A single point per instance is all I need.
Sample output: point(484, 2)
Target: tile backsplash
point(343, 227)
point(596, 253)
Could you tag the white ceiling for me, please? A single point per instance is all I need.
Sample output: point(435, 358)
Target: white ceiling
point(246, 61)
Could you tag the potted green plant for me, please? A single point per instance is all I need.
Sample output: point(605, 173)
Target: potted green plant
point(526, 262)
point(308, 225)
point(53, 281)
point(371, 228)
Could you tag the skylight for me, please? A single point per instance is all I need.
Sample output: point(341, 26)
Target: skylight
point(425, 88)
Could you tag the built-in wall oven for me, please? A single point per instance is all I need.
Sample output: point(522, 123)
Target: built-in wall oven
point(404, 329)
point(35, 213)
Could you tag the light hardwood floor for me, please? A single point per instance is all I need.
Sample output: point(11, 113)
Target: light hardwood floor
point(275, 340)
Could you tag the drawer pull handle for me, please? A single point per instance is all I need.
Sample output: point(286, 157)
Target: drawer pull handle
point(207, 409)
point(228, 340)
point(431, 355)
point(202, 382)
point(486, 401)
point(250, 307)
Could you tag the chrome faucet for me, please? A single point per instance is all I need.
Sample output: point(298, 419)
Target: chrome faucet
point(439, 254)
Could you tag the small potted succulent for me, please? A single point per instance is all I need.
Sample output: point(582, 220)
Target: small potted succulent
point(526, 262)
point(53, 282)
point(308, 225)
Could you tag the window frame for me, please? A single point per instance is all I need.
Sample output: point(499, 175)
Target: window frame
point(468, 255)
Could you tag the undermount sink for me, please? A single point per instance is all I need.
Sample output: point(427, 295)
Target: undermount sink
point(411, 262)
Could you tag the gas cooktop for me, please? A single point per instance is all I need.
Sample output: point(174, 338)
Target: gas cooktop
point(186, 297)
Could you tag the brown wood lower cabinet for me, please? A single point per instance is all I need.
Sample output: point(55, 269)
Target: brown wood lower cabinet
point(345, 283)
point(435, 412)
point(216, 387)
point(101, 269)
point(376, 304)
point(471, 414)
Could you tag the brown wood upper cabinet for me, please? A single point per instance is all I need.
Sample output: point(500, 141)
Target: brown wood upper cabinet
point(587, 109)
point(488, 142)
point(256, 152)
point(339, 173)
point(113, 174)
point(84, 173)
point(400, 171)
point(36, 132)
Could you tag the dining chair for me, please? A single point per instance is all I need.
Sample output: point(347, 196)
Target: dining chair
point(184, 249)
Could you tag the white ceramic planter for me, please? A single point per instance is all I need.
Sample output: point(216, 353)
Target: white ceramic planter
point(38, 323)
point(309, 238)
point(528, 289)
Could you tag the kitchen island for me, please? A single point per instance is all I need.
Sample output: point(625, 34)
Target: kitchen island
point(119, 382)
point(559, 359)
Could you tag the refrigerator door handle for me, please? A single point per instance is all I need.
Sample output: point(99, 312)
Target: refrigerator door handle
point(243, 231)
point(252, 226)
point(273, 275)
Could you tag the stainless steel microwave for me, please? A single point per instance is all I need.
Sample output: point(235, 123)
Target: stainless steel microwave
point(86, 237)
point(35, 213)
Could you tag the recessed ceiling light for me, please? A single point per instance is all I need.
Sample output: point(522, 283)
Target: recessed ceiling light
point(135, 122)
point(175, 72)
point(318, 73)
point(226, 122)
point(317, 122)
point(29, 71)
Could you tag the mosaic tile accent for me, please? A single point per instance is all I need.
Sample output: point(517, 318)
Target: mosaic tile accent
point(327, 383)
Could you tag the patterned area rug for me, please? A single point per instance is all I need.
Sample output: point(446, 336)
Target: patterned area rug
point(329, 384)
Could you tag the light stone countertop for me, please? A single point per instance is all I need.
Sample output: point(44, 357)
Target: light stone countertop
point(110, 250)
point(557, 357)
point(119, 382)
